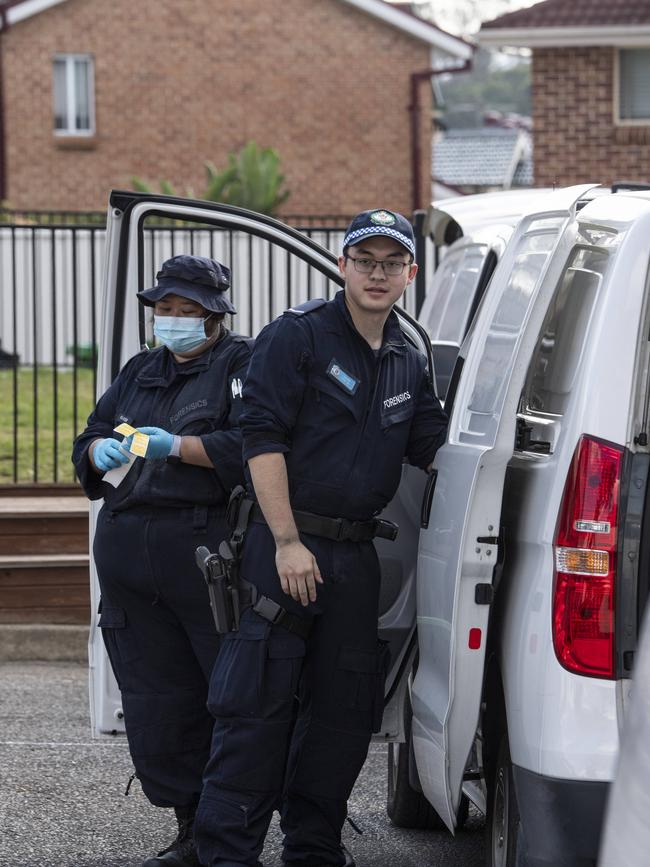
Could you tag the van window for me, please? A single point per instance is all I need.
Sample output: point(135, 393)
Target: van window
point(557, 355)
point(452, 292)
point(483, 410)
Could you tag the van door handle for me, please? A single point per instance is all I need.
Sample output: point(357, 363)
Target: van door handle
point(427, 499)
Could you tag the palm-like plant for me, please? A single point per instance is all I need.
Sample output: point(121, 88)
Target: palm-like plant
point(251, 180)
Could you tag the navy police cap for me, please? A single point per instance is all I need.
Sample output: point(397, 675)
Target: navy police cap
point(195, 277)
point(380, 222)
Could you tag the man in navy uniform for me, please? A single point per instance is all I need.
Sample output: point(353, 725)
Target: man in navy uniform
point(334, 400)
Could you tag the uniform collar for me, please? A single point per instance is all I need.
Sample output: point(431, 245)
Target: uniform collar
point(160, 369)
point(393, 335)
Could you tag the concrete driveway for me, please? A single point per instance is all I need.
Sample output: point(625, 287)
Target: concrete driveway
point(62, 798)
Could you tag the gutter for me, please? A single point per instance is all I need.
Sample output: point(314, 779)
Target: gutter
point(626, 36)
point(414, 108)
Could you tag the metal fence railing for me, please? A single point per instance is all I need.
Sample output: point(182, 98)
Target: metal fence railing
point(98, 218)
point(50, 286)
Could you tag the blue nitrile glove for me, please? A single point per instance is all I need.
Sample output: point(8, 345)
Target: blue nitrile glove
point(109, 454)
point(160, 442)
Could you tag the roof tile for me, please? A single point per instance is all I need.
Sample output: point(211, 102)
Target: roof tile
point(578, 13)
point(479, 157)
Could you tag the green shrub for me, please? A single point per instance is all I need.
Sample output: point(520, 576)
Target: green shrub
point(252, 179)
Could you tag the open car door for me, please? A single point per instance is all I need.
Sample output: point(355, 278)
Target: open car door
point(459, 542)
point(273, 267)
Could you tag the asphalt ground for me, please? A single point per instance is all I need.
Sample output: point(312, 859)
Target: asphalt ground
point(62, 798)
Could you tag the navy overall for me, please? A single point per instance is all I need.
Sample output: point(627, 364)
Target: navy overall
point(155, 615)
point(293, 718)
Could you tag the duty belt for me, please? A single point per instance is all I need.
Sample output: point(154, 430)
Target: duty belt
point(337, 529)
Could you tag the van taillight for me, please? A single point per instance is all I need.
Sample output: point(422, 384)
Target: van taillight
point(585, 560)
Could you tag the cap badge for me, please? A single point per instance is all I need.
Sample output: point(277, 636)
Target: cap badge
point(382, 218)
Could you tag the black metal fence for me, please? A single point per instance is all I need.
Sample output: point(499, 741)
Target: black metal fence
point(98, 218)
point(50, 283)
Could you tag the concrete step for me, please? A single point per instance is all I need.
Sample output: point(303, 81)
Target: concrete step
point(43, 641)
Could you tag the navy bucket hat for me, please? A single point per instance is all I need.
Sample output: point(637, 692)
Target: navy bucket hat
point(195, 277)
point(368, 224)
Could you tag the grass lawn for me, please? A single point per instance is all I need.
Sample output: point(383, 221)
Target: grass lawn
point(29, 401)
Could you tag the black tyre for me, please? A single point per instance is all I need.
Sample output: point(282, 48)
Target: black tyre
point(406, 807)
point(502, 813)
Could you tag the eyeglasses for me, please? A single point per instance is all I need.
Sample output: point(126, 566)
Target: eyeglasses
point(390, 267)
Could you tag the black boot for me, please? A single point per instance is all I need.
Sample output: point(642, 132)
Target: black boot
point(182, 852)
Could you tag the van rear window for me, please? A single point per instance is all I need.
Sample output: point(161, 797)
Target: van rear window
point(452, 291)
point(531, 257)
point(561, 342)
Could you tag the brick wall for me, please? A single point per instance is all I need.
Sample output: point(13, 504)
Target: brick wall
point(180, 83)
point(575, 137)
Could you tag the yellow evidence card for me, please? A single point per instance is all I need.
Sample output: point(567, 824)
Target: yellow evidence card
point(139, 444)
point(124, 429)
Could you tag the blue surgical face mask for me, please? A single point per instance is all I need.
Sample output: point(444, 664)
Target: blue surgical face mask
point(180, 333)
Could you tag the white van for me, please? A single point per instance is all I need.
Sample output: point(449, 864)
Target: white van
point(532, 571)
point(523, 549)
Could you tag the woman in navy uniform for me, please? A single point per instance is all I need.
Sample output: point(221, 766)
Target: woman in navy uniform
point(334, 400)
point(155, 614)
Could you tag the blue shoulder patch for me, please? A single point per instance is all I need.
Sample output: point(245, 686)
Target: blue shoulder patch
point(307, 307)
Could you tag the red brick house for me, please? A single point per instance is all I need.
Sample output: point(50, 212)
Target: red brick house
point(590, 86)
point(95, 92)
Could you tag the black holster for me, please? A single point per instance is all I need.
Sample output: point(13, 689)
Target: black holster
point(218, 572)
point(228, 597)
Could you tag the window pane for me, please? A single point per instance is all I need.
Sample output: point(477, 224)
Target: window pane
point(73, 97)
point(555, 362)
point(60, 100)
point(82, 94)
point(505, 330)
point(454, 308)
point(480, 418)
point(634, 66)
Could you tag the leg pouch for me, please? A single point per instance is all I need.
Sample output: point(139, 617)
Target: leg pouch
point(284, 660)
point(121, 644)
point(236, 680)
point(360, 680)
point(257, 671)
point(252, 697)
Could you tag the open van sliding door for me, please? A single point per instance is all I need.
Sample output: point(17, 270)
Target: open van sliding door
point(293, 263)
point(460, 544)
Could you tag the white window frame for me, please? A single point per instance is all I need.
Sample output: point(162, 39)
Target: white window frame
point(70, 97)
point(616, 102)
